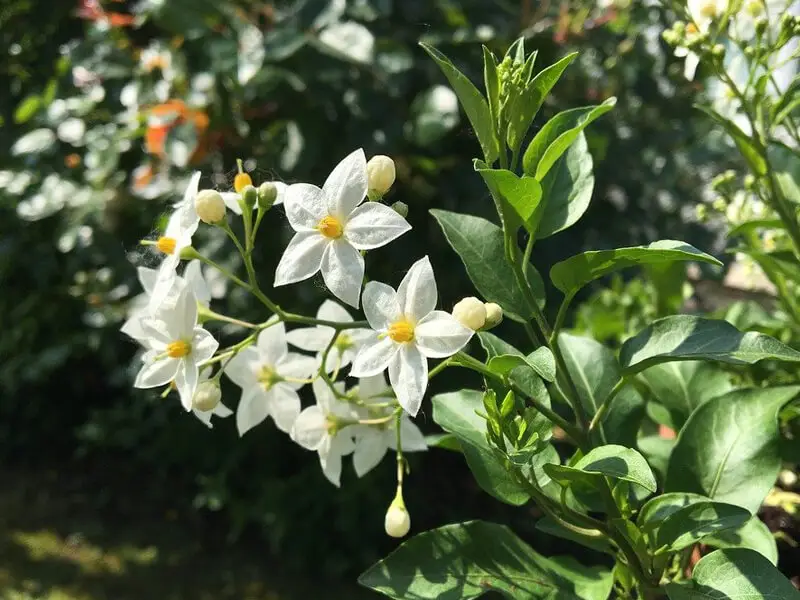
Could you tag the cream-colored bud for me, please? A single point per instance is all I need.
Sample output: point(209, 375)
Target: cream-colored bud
point(471, 312)
point(494, 315)
point(210, 206)
point(397, 522)
point(380, 174)
point(207, 396)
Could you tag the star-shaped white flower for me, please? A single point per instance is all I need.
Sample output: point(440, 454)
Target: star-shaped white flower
point(231, 199)
point(704, 12)
point(373, 441)
point(332, 225)
point(327, 429)
point(317, 338)
point(269, 376)
point(176, 346)
point(220, 410)
point(407, 331)
point(181, 227)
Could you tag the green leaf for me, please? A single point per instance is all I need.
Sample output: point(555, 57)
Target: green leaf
point(557, 135)
point(479, 243)
point(552, 527)
point(734, 574)
point(685, 337)
point(567, 189)
point(456, 413)
point(624, 417)
point(523, 194)
point(496, 346)
point(776, 264)
point(572, 274)
point(657, 450)
point(492, 84)
point(616, 462)
point(690, 524)
point(474, 104)
point(467, 560)
point(753, 535)
point(656, 510)
point(446, 441)
point(27, 109)
point(743, 141)
point(541, 361)
point(523, 110)
point(683, 386)
point(786, 169)
point(750, 226)
point(729, 449)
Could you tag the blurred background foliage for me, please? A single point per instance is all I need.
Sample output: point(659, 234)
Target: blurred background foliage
point(108, 106)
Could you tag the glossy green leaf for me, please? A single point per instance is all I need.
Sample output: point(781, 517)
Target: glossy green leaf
point(729, 449)
point(656, 510)
point(567, 189)
point(446, 441)
point(523, 194)
point(541, 361)
point(685, 337)
point(27, 109)
point(456, 413)
point(683, 386)
point(734, 574)
point(743, 141)
point(473, 102)
point(479, 243)
point(753, 535)
point(624, 417)
point(786, 168)
point(690, 524)
point(523, 110)
point(468, 560)
point(611, 460)
point(657, 450)
point(557, 135)
point(572, 274)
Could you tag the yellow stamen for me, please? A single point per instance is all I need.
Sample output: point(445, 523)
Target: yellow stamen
point(242, 179)
point(330, 227)
point(401, 332)
point(691, 28)
point(178, 349)
point(166, 244)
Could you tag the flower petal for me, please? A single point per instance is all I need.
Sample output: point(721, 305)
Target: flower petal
point(165, 279)
point(186, 382)
point(375, 356)
point(147, 277)
point(440, 334)
point(381, 305)
point(133, 328)
point(408, 374)
point(231, 200)
point(311, 339)
point(252, 410)
point(411, 437)
point(281, 187)
point(193, 275)
point(203, 345)
point(296, 366)
point(302, 257)
point(373, 225)
point(346, 186)
point(332, 467)
point(343, 271)
point(417, 292)
point(271, 344)
point(370, 449)
point(183, 313)
point(310, 428)
point(305, 206)
point(371, 388)
point(155, 373)
point(284, 406)
point(242, 367)
point(333, 311)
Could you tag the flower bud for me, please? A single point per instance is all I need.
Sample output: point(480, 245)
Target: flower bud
point(267, 194)
point(397, 522)
point(701, 211)
point(210, 206)
point(761, 26)
point(249, 197)
point(471, 312)
point(401, 208)
point(749, 182)
point(719, 204)
point(380, 174)
point(718, 51)
point(207, 396)
point(494, 315)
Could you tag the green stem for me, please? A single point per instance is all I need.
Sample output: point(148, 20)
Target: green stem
point(439, 368)
point(604, 407)
point(561, 317)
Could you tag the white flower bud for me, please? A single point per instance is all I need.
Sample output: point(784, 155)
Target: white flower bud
point(210, 206)
point(397, 522)
point(494, 315)
point(471, 312)
point(207, 396)
point(380, 174)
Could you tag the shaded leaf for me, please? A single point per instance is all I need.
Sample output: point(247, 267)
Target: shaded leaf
point(688, 525)
point(753, 534)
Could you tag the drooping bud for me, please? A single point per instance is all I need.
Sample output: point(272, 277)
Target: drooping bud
point(380, 174)
point(401, 208)
point(471, 312)
point(397, 522)
point(267, 194)
point(210, 206)
point(207, 396)
point(494, 315)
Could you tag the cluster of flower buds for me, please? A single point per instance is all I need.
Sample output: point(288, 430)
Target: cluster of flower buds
point(477, 315)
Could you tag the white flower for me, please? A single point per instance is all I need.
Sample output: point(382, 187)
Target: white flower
point(317, 338)
point(690, 64)
point(269, 376)
point(178, 235)
point(743, 23)
point(332, 226)
point(232, 198)
point(176, 345)
point(704, 12)
point(373, 441)
point(325, 428)
point(219, 410)
point(407, 331)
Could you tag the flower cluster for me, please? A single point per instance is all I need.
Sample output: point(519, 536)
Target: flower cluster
point(335, 227)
